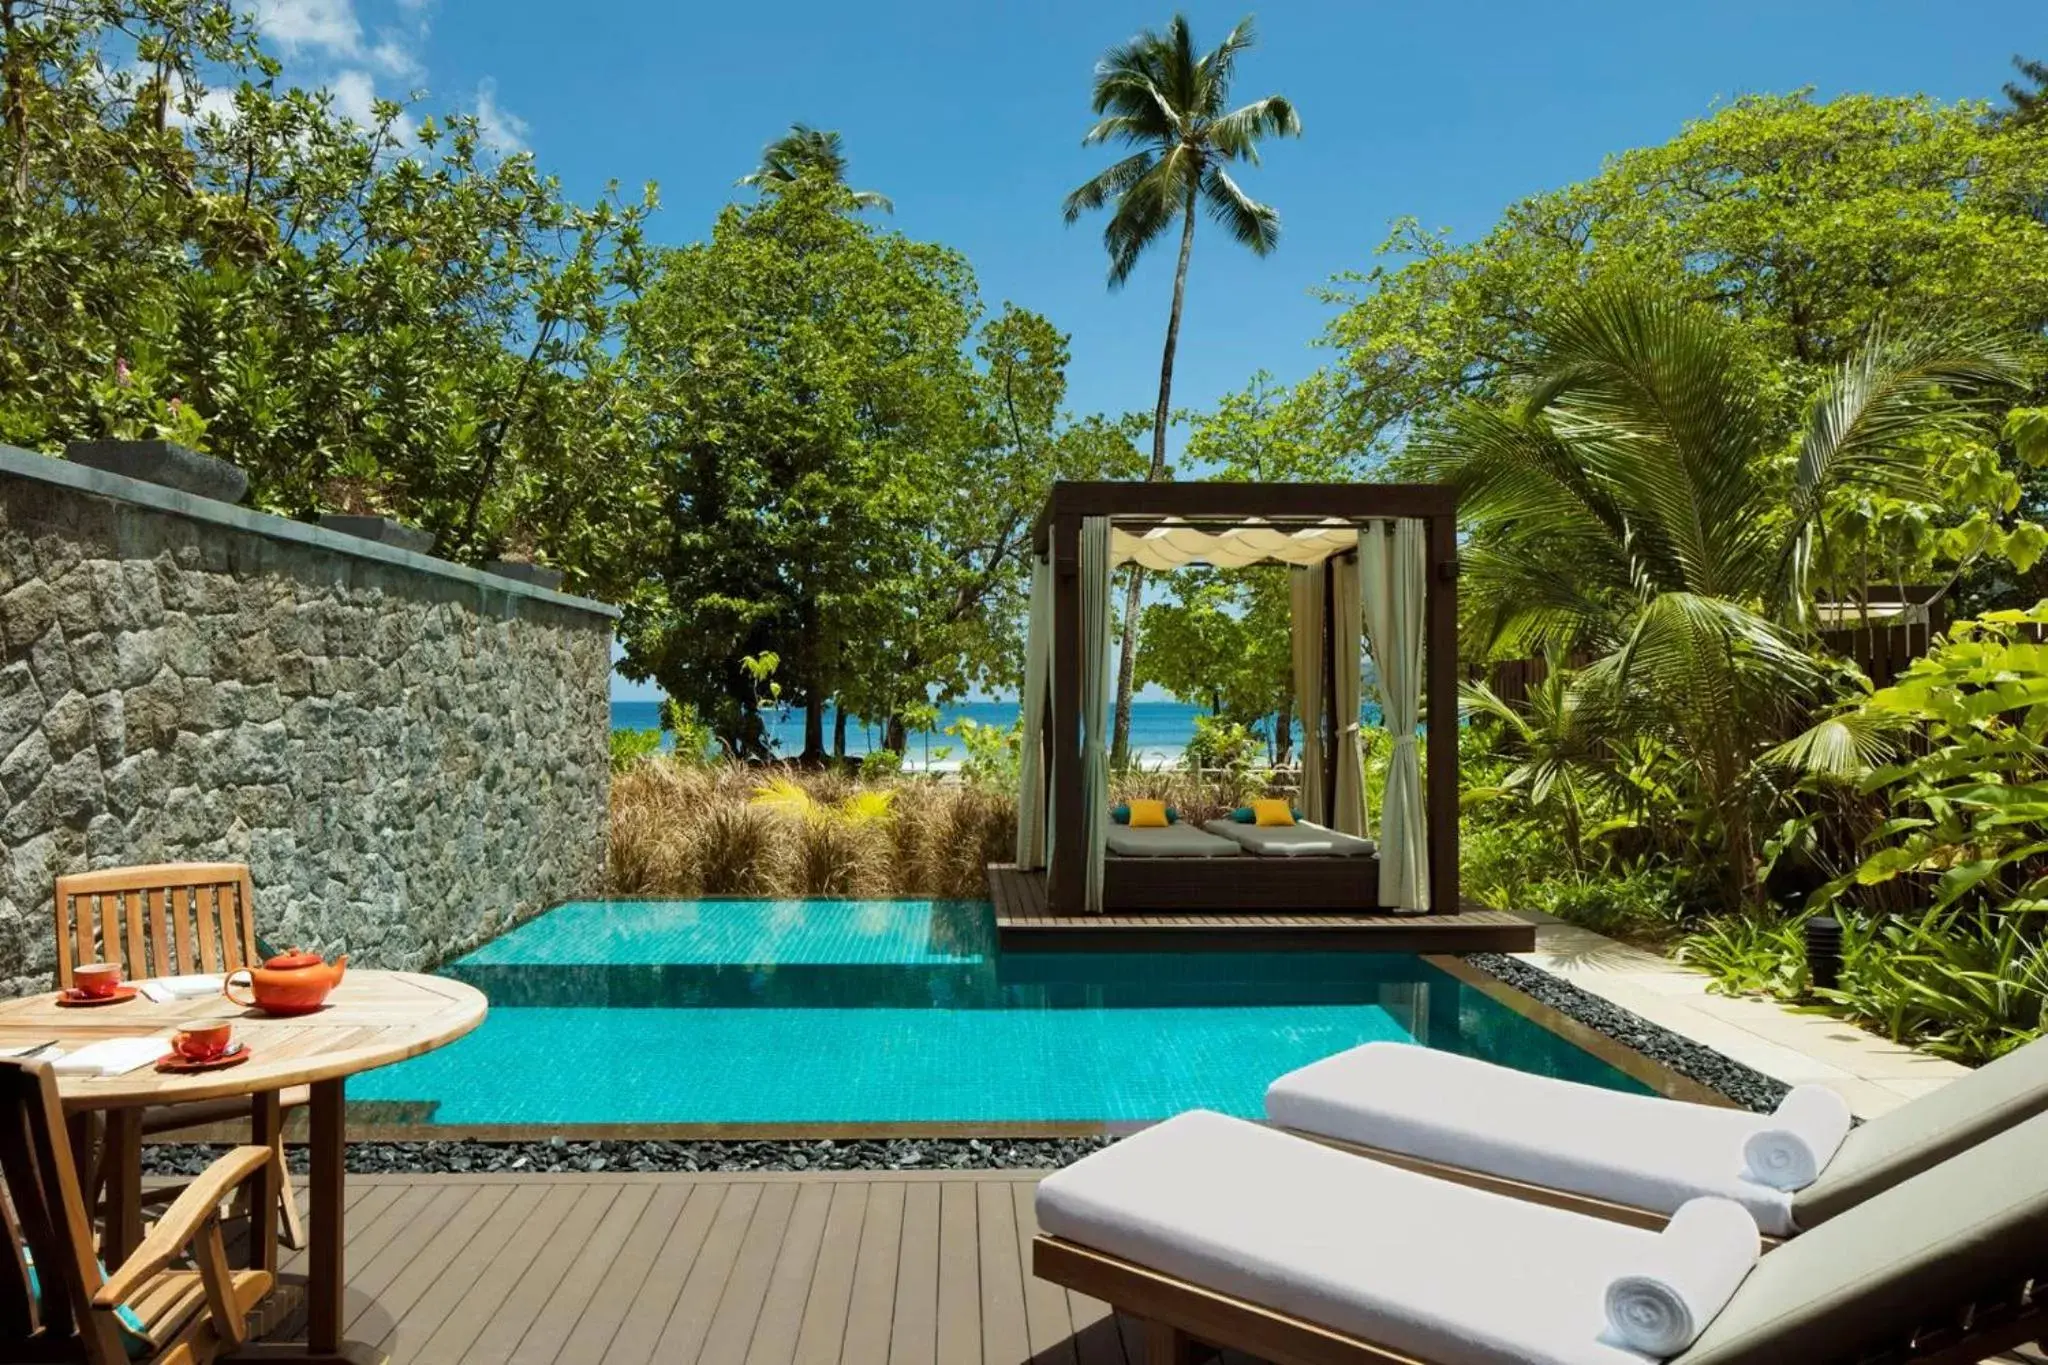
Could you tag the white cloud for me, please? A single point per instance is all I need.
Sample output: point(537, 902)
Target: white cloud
point(393, 54)
point(327, 26)
point(502, 130)
point(355, 96)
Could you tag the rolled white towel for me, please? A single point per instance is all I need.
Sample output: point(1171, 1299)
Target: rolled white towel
point(1802, 1137)
point(1699, 1260)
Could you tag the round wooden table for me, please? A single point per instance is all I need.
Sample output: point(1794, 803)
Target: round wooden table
point(372, 1019)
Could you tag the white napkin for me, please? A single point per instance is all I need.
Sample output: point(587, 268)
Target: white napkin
point(167, 988)
point(1801, 1138)
point(111, 1057)
point(1699, 1260)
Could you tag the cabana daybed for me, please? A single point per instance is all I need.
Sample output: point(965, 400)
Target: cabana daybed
point(1370, 564)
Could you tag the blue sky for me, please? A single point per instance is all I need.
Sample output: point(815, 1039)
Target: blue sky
point(969, 115)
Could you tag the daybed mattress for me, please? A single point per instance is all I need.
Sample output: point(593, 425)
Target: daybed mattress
point(1302, 840)
point(1641, 1150)
point(1175, 841)
point(1438, 1271)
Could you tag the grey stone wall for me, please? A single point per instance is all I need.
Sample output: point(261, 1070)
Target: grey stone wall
point(410, 755)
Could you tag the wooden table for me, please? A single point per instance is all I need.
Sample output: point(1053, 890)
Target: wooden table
point(372, 1019)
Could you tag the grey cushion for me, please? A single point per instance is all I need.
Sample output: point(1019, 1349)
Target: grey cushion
point(1175, 841)
point(1303, 840)
point(1913, 1137)
point(1972, 1225)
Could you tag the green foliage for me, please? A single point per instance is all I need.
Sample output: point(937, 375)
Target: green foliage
point(1636, 504)
point(631, 746)
point(1222, 745)
point(993, 752)
point(1803, 221)
point(1750, 954)
point(424, 329)
point(693, 737)
point(805, 150)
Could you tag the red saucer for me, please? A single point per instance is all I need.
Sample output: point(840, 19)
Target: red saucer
point(77, 999)
point(234, 1056)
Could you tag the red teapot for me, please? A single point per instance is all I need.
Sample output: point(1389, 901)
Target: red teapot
point(294, 982)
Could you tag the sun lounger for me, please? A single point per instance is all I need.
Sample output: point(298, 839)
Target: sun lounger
point(1174, 841)
point(1212, 1229)
point(1639, 1157)
point(1299, 840)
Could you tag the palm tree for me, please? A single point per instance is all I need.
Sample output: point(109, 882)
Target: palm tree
point(2027, 103)
point(1153, 93)
point(804, 148)
point(1641, 504)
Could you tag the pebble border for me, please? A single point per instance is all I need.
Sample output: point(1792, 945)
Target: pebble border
point(556, 1156)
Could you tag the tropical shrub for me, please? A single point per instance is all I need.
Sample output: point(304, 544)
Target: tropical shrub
point(630, 746)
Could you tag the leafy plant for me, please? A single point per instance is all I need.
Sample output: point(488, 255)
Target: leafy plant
point(629, 747)
point(993, 752)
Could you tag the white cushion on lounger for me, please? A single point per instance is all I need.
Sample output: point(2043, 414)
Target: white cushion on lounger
point(1301, 840)
point(1438, 1271)
point(1175, 841)
point(1639, 1150)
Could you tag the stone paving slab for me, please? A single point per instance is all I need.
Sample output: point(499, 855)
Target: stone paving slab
point(1872, 1074)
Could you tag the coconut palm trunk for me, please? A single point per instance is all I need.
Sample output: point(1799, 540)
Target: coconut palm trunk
point(1127, 654)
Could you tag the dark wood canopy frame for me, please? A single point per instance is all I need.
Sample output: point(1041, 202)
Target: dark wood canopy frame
point(1247, 883)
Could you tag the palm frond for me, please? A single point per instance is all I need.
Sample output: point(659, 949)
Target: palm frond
point(1249, 222)
point(1146, 209)
point(1106, 186)
point(1846, 746)
point(1237, 134)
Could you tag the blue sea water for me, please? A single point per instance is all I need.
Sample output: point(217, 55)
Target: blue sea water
point(868, 1012)
point(1160, 730)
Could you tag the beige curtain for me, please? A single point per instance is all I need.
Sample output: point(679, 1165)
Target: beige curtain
point(1392, 572)
point(1095, 575)
point(1031, 811)
point(1305, 592)
point(1348, 816)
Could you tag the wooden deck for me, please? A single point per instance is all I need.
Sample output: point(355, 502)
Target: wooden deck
point(867, 1268)
point(1024, 924)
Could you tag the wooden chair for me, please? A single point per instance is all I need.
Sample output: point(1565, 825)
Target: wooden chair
point(166, 919)
point(188, 1316)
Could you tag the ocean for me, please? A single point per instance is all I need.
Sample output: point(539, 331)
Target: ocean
point(1160, 730)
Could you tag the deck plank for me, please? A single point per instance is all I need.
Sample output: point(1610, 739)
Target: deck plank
point(959, 1334)
point(838, 1268)
point(646, 1318)
point(453, 1285)
point(683, 1337)
point(871, 1306)
point(1048, 1323)
point(627, 1276)
point(823, 1328)
point(502, 1335)
point(450, 1341)
point(583, 1278)
point(914, 1329)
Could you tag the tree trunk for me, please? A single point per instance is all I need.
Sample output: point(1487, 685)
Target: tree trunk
point(839, 732)
point(14, 77)
point(1283, 733)
point(814, 729)
point(1127, 658)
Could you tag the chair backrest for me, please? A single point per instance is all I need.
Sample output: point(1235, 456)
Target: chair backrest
point(168, 919)
point(44, 1213)
point(1912, 1138)
point(1950, 1265)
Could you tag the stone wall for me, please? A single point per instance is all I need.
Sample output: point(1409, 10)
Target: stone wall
point(410, 755)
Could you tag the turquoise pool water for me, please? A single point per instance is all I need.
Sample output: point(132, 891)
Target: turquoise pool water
point(871, 1012)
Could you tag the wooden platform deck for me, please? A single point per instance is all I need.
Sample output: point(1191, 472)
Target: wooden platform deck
point(1024, 924)
point(865, 1268)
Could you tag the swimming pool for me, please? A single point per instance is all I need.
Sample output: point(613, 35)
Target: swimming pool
point(903, 1012)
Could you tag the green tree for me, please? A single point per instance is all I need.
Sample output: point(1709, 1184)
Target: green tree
point(2027, 103)
point(801, 369)
point(802, 150)
point(1802, 221)
point(1638, 502)
point(424, 329)
point(1155, 93)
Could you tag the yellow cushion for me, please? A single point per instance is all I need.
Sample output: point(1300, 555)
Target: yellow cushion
point(1148, 815)
point(1271, 813)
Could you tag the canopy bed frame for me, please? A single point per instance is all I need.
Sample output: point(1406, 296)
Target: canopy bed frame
point(1404, 599)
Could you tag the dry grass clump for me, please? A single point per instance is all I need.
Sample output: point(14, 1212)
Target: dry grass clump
point(689, 830)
